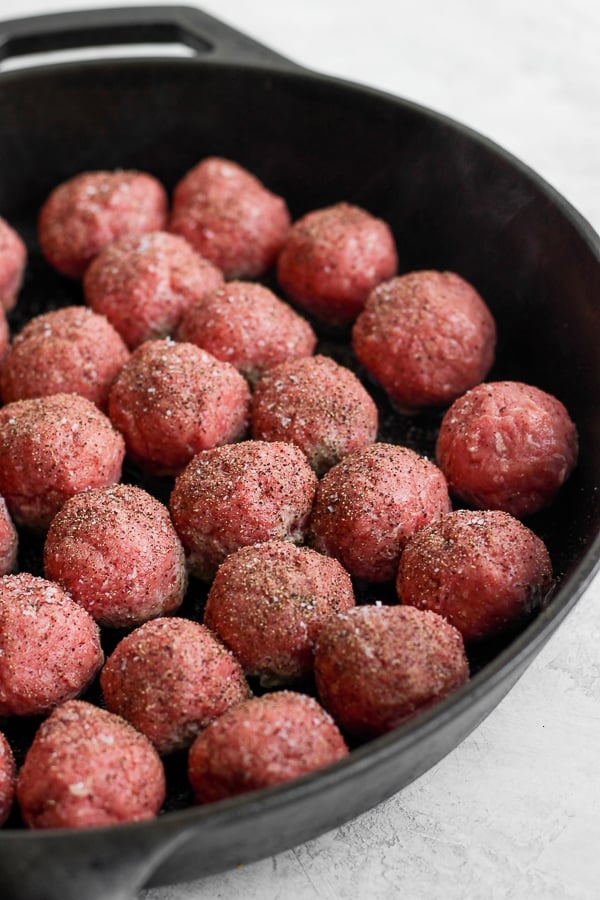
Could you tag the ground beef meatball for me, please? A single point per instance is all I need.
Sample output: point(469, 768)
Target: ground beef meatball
point(70, 350)
point(144, 284)
point(268, 602)
point(13, 258)
point(170, 678)
point(247, 325)
point(426, 337)
point(88, 768)
point(84, 214)
point(377, 666)
point(332, 258)
point(50, 449)
point(230, 217)
point(170, 401)
point(266, 741)
point(9, 540)
point(49, 646)
point(368, 505)
point(316, 404)
point(7, 779)
point(507, 445)
point(483, 571)
point(116, 552)
point(238, 495)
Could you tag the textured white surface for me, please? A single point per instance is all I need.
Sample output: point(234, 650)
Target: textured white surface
point(511, 814)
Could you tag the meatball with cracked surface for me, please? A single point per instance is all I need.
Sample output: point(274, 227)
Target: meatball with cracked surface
point(49, 646)
point(265, 741)
point(238, 495)
point(13, 258)
point(316, 404)
point(268, 602)
point(144, 284)
point(425, 337)
point(368, 505)
point(172, 400)
point(230, 217)
point(507, 445)
point(8, 779)
point(378, 666)
point(170, 678)
point(50, 449)
point(70, 350)
point(116, 552)
point(88, 768)
point(332, 258)
point(483, 571)
point(247, 325)
point(87, 212)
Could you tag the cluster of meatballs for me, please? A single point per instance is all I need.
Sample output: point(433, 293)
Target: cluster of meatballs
point(282, 500)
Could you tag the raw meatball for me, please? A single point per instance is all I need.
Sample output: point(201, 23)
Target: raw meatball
point(88, 768)
point(7, 779)
point(84, 214)
point(247, 325)
point(172, 400)
point(331, 260)
point(377, 666)
point(116, 552)
point(482, 571)
point(368, 505)
point(50, 449)
point(268, 602)
point(13, 258)
point(9, 540)
point(144, 284)
point(507, 445)
point(170, 678)
point(70, 350)
point(426, 337)
point(49, 646)
point(238, 495)
point(265, 741)
point(316, 404)
point(230, 217)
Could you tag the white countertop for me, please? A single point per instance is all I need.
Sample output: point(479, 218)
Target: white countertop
point(513, 812)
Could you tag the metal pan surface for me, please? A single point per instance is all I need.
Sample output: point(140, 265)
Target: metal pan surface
point(454, 201)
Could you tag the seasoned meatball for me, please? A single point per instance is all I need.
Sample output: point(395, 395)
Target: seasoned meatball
point(262, 742)
point(13, 258)
point(7, 779)
point(482, 571)
point(426, 337)
point(50, 449)
point(507, 445)
point(238, 495)
point(230, 217)
point(116, 552)
point(268, 602)
point(331, 260)
point(316, 404)
point(88, 768)
point(70, 351)
point(368, 505)
point(247, 325)
point(144, 284)
point(377, 666)
point(9, 540)
point(49, 646)
point(172, 400)
point(84, 214)
point(170, 678)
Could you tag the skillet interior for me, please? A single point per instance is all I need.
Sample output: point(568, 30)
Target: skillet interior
point(453, 201)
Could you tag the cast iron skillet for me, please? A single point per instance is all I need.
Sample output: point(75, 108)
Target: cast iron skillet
point(454, 201)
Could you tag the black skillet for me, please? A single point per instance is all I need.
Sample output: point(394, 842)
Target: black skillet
point(454, 201)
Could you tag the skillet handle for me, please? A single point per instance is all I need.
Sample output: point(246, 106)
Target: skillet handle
point(185, 25)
